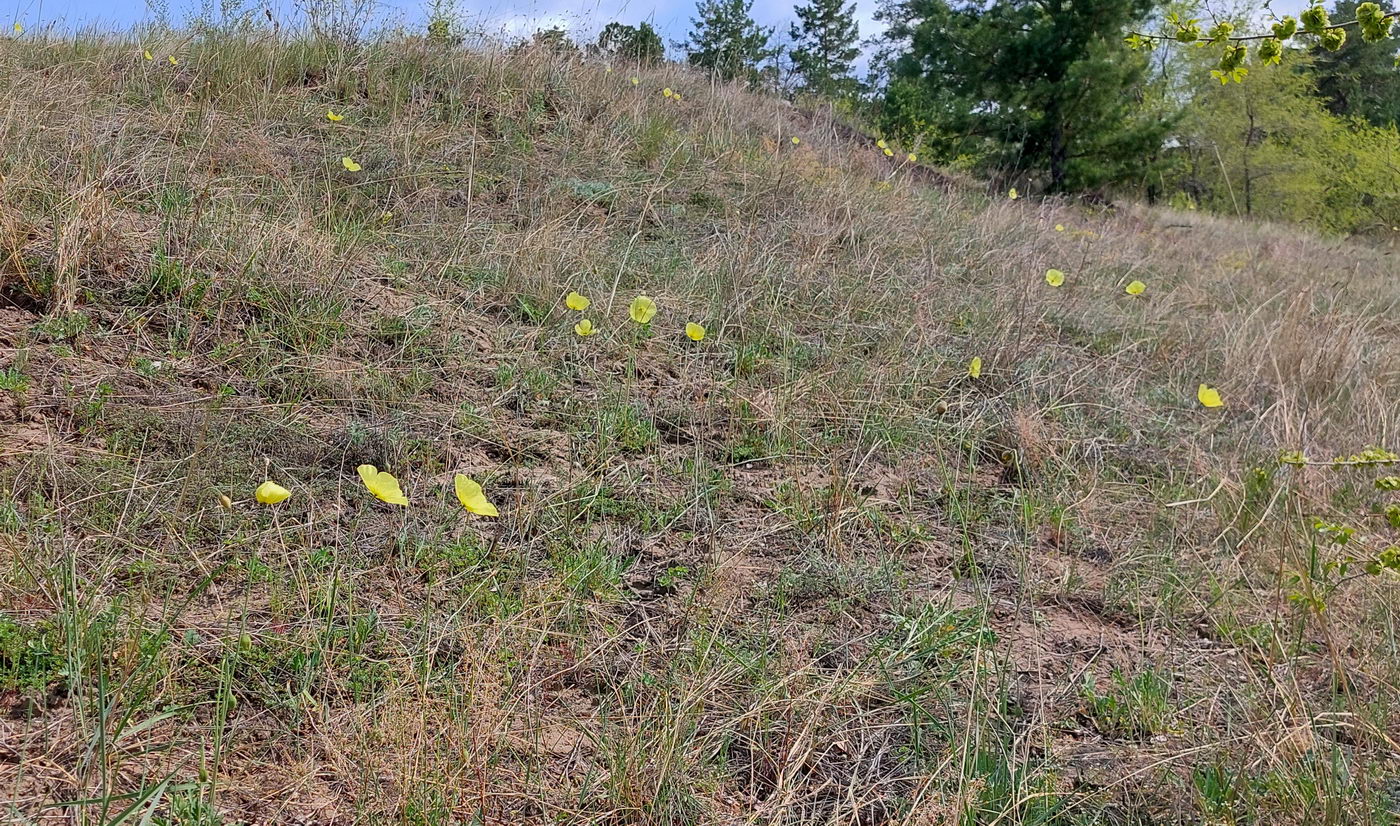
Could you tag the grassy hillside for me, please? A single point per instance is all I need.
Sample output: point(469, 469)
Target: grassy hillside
point(805, 570)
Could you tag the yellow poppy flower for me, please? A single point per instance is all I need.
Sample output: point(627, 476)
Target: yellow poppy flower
point(694, 331)
point(912, 157)
point(1012, 194)
point(676, 96)
point(636, 80)
point(796, 140)
point(270, 493)
point(1208, 396)
point(470, 495)
point(642, 309)
point(173, 61)
point(18, 28)
point(1059, 227)
point(974, 367)
point(333, 117)
point(382, 484)
point(578, 302)
point(147, 54)
point(349, 164)
point(889, 153)
point(1135, 288)
point(667, 92)
point(881, 143)
point(1054, 278)
point(585, 328)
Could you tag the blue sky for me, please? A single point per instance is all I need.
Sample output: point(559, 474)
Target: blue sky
point(672, 19)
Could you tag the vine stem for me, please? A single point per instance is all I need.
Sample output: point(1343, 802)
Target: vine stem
point(1248, 37)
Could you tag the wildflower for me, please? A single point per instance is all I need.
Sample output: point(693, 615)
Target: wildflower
point(889, 153)
point(1135, 288)
point(386, 216)
point(1012, 194)
point(585, 328)
point(694, 331)
point(667, 92)
point(147, 54)
point(270, 493)
point(470, 495)
point(642, 309)
point(173, 61)
point(796, 140)
point(333, 117)
point(382, 484)
point(912, 157)
point(1054, 278)
point(636, 80)
point(881, 144)
point(18, 28)
point(1059, 227)
point(676, 96)
point(1208, 396)
point(349, 164)
point(578, 302)
point(974, 367)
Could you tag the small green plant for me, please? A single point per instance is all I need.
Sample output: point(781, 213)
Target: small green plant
point(1137, 705)
point(13, 379)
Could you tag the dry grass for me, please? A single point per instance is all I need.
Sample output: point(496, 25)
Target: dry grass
point(805, 571)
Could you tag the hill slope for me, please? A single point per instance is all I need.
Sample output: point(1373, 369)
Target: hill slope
point(805, 570)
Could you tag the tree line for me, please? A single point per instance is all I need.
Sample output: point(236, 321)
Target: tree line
point(1249, 114)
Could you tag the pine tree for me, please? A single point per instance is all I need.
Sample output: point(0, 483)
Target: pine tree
point(638, 44)
point(825, 44)
point(1030, 85)
point(1360, 79)
point(726, 40)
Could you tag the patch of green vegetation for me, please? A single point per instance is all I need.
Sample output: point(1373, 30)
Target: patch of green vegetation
point(30, 656)
point(1139, 705)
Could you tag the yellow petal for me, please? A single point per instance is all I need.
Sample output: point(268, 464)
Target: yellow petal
point(270, 493)
point(974, 367)
point(667, 92)
point(1135, 288)
point(1012, 194)
point(796, 140)
point(642, 309)
point(147, 54)
point(676, 96)
point(1059, 227)
point(578, 302)
point(349, 164)
point(881, 143)
point(636, 80)
point(470, 495)
point(1054, 278)
point(382, 484)
point(889, 153)
point(585, 328)
point(333, 117)
point(1208, 396)
point(912, 157)
point(173, 61)
point(696, 332)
